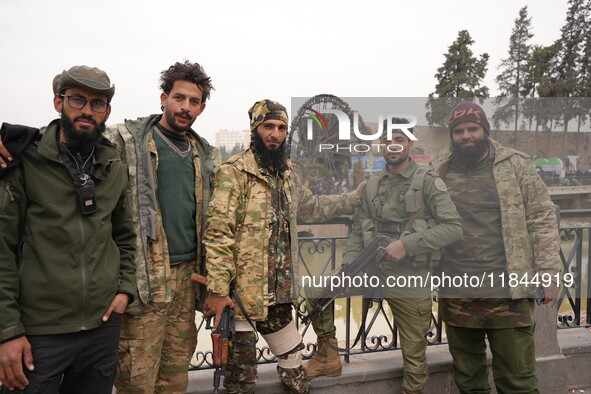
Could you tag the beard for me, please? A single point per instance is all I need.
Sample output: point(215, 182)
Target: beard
point(78, 137)
point(396, 162)
point(169, 115)
point(272, 159)
point(470, 156)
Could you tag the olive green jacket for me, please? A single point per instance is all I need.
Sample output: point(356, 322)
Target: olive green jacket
point(444, 221)
point(60, 269)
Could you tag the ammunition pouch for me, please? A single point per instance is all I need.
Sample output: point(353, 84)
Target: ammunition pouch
point(415, 208)
point(431, 259)
point(371, 229)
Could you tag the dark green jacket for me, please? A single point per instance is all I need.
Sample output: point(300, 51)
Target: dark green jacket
point(59, 269)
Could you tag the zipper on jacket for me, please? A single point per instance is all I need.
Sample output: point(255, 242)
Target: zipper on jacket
point(83, 274)
point(7, 196)
point(138, 150)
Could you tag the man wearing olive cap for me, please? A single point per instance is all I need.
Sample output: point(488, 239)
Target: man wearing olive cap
point(251, 244)
point(67, 248)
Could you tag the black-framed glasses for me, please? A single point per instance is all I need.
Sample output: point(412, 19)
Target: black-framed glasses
point(79, 102)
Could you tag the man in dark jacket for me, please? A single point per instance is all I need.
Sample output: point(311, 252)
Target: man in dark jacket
point(67, 249)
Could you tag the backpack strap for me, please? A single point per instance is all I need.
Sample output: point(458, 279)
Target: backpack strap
point(415, 207)
point(16, 138)
point(371, 191)
point(415, 203)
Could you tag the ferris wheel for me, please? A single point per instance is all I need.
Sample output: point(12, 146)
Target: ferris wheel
point(313, 126)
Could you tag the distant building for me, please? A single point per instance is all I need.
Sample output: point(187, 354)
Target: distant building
point(230, 138)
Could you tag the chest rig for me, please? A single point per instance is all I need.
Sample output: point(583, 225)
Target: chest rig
point(415, 209)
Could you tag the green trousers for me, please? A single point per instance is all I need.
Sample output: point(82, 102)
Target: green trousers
point(412, 317)
point(323, 326)
point(514, 359)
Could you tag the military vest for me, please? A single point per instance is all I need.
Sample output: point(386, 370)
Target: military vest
point(415, 208)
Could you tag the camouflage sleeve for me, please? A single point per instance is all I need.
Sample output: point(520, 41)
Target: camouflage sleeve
point(220, 233)
point(448, 226)
point(124, 236)
point(113, 135)
point(12, 212)
point(361, 219)
point(313, 208)
point(541, 222)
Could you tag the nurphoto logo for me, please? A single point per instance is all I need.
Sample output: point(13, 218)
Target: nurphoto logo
point(344, 130)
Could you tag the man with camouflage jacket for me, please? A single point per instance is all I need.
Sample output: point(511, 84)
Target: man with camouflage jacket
point(510, 231)
point(170, 169)
point(251, 244)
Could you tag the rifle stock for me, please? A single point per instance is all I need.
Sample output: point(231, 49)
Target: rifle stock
point(371, 254)
point(202, 280)
point(220, 338)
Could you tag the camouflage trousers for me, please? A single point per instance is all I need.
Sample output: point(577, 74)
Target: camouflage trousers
point(241, 371)
point(514, 359)
point(156, 346)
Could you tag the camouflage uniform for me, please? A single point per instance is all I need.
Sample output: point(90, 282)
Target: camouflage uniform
point(507, 211)
point(158, 335)
point(387, 214)
point(240, 223)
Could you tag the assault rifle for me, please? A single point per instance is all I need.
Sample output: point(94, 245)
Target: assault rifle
point(220, 338)
point(373, 253)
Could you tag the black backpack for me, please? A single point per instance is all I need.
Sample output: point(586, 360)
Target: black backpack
point(16, 138)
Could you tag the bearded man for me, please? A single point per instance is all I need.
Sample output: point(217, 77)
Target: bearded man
point(251, 246)
point(509, 228)
point(67, 251)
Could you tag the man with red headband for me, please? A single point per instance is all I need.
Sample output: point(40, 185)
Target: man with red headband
point(510, 230)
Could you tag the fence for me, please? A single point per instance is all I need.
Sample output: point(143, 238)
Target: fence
point(574, 304)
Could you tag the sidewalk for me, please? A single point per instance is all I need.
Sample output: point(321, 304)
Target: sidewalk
point(381, 372)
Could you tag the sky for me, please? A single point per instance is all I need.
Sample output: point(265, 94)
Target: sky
point(251, 49)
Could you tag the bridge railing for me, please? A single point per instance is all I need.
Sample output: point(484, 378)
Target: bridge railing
point(574, 302)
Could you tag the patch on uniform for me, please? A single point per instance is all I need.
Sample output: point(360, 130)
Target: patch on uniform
point(440, 185)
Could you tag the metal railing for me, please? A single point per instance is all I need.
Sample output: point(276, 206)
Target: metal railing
point(575, 240)
point(572, 262)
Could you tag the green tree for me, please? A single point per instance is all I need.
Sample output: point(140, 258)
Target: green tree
point(538, 83)
point(566, 68)
point(584, 85)
point(459, 77)
point(226, 154)
point(511, 80)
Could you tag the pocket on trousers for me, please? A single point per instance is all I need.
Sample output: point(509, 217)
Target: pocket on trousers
point(132, 327)
point(129, 363)
point(424, 306)
point(114, 320)
point(109, 367)
point(132, 342)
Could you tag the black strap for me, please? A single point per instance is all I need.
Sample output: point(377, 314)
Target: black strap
point(243, 310)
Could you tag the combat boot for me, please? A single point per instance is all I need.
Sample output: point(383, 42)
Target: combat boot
point(326, 360)
point(294, 380)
